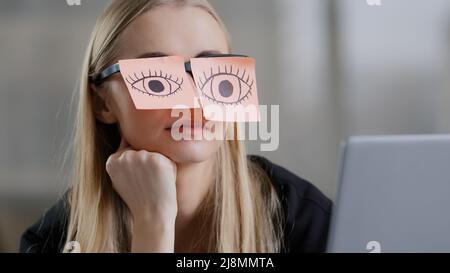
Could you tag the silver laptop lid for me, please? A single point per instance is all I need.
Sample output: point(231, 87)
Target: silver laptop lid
point(394, 195)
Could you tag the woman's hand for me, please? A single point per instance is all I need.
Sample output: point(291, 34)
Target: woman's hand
point(146, 183)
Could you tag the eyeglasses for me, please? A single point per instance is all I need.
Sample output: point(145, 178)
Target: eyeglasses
point(222, 83)
point(115, 68)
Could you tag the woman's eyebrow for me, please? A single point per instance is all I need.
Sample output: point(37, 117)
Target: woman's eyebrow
point(157, 54)
point(207, 53)
point(152, 55)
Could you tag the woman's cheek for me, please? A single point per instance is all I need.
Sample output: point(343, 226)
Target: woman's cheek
point(143, 128)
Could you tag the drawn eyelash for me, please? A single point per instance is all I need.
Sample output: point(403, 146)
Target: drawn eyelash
point(212, 74)
point(226, 71)
point(159, 80)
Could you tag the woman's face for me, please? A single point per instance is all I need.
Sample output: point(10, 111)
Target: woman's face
point(167, 30)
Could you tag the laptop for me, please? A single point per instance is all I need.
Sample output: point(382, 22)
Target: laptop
point(393, 195)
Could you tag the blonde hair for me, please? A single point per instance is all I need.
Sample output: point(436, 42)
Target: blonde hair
point(243, 203)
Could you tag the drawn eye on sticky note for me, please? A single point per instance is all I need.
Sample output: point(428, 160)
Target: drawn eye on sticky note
point(227, 88)
point(158, 83)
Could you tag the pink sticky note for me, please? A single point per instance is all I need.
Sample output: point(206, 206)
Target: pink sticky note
point(158, 83)
point(227, 88)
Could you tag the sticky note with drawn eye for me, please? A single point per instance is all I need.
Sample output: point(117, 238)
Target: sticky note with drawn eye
point(158, 83)
point(227, 88)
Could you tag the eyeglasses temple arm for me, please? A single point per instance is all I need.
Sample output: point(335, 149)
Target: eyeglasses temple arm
point(109, 71)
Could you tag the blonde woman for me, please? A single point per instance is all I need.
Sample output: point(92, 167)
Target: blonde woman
point(135, 189)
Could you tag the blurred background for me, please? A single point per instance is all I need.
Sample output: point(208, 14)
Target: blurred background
point(335, 67)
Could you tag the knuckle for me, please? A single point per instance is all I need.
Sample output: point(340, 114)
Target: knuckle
point(110, 165)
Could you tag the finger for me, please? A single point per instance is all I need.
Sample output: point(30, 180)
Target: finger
point(172, 163)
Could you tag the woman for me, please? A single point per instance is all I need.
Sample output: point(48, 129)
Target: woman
point(135, 189)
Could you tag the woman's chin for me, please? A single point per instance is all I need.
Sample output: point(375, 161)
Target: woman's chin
point(191, 151)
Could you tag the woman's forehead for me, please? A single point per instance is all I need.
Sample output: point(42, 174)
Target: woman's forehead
point(172, 30)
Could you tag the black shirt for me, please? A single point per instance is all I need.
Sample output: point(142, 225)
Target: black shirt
point(306, 210)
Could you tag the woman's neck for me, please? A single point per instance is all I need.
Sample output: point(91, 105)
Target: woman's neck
point(193, 183)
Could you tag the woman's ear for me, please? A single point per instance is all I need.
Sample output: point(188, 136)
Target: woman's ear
point(100, 103)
